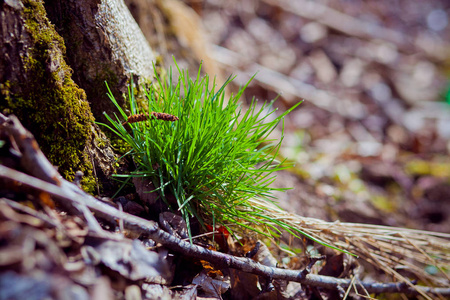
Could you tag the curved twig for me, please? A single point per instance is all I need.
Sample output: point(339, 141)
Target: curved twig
point(71, 196)
point(70, 192)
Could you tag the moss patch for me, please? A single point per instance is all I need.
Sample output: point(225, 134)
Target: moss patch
point(48, 102)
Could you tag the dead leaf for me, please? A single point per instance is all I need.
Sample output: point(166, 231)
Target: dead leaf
point(131, 260)
point(211, 287)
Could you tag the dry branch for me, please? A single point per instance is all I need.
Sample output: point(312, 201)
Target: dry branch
point(69, 195)
point(132, 223)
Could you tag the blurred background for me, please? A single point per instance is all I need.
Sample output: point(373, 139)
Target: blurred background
point(371, 140)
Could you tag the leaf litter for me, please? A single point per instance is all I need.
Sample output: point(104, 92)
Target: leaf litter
point(382, 89)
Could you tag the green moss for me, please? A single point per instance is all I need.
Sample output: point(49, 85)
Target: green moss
point(100, 142)
point(48, 102)
point(89, 182)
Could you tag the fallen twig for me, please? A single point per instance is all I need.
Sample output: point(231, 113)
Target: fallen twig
point(139, 225)
point(69, 196)
point(32, 160)
point(36, 164)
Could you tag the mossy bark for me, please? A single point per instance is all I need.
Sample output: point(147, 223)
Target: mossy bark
point(105, 44)
point(52, 76)
point(37, 87)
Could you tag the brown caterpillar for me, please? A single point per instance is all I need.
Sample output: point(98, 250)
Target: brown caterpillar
point(154, 114)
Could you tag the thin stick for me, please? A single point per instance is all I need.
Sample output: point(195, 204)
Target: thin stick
point(79, 203)
point(139, 225)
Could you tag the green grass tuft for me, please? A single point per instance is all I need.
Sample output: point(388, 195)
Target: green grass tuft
point(214, 159)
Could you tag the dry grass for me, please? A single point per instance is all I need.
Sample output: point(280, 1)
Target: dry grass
point(393, 250)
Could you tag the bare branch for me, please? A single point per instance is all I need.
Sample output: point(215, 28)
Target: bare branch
point(36, 164)
point(139, 225)
point(32, 160)
point(76, 201)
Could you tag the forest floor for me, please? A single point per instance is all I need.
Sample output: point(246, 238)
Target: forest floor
point(371, 141)
point(370, 144)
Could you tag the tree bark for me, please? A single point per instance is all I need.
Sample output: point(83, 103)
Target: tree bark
point(52, 76)
point(174, 29)
point(105, 44)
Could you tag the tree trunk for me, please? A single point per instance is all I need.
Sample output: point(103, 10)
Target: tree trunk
point(52, 77)
point(105, 44)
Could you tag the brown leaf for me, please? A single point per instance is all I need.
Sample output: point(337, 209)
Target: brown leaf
point(131, 260)
point(211, 287)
